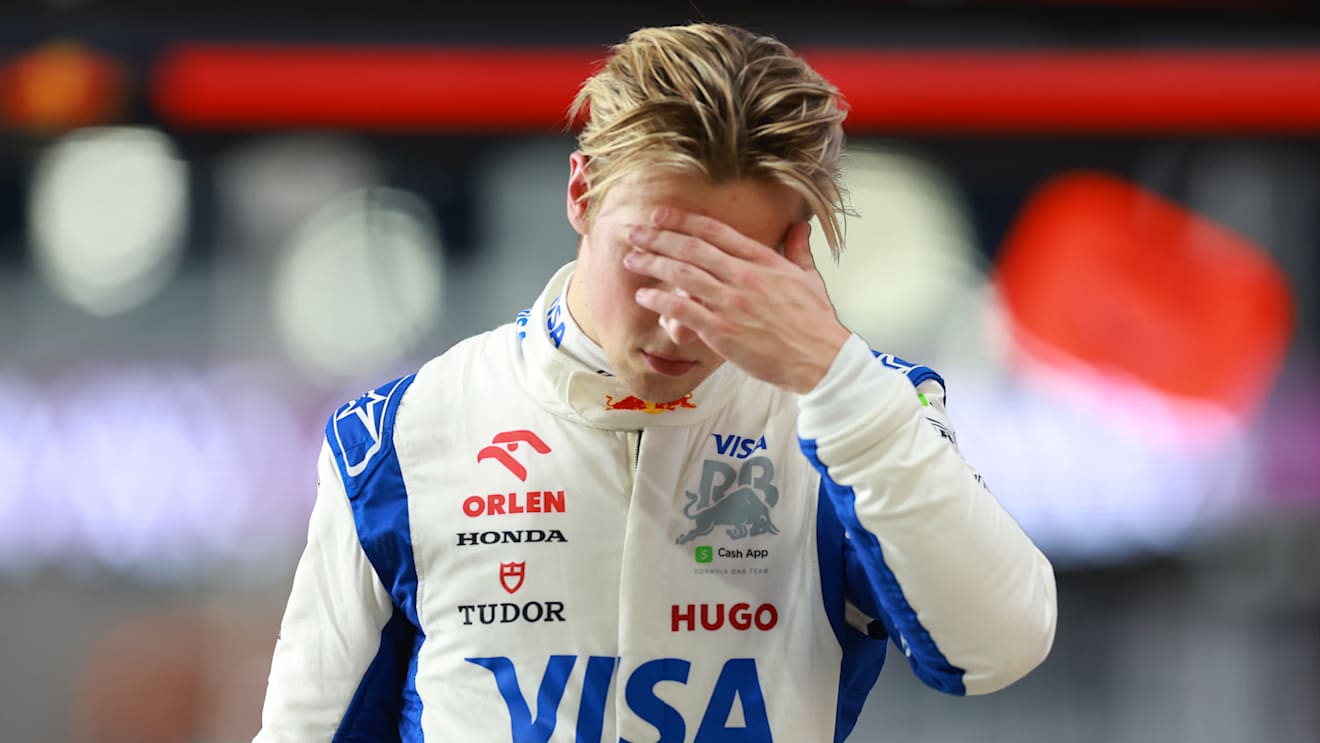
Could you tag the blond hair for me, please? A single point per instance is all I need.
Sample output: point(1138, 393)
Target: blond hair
point(720, 101)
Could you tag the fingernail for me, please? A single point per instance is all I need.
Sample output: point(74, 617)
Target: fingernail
point(660, 215)
point(630, 260)
point(672, 328)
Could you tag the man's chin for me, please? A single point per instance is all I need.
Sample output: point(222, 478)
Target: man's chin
point(660, 388)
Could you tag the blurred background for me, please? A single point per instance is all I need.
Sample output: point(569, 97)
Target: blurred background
point(220, 220)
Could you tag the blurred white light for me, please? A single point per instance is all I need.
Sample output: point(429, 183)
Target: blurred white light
point(1091, 487)
point(268, 187)
point(140, 470)
point(158, 472)
point(910, 254)
point(107, 215)
point(29, 519)
point(360, 284)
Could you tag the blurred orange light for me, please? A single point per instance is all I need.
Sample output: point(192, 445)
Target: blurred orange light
point(1102, 272)
point(63, 85)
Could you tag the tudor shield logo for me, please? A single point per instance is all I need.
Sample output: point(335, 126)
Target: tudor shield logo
point(512, 574)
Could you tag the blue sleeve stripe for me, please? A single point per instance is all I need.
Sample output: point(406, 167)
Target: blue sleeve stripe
point(916, 373)
point(410, 727)
point(361, 436)
point(924, 656)
point(377, 707)
point(863, 656)
point(829, 555)
point(923, 373)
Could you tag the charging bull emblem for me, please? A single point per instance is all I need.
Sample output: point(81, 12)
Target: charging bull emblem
point(739, 500)
point(632, 402)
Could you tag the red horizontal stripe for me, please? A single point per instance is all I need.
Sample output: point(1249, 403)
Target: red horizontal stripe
point(227, 86)
point(1114, 91)
point(521, 89)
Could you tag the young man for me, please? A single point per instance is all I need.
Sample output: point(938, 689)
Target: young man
point(675, 500)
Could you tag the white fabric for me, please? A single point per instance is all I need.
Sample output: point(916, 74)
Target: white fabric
point(640, 490)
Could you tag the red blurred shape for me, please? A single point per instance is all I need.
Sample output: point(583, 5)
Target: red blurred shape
point(370, 87)
point(1078, 92)
point(1100, 271)
point(63, 85)
point(925, 90)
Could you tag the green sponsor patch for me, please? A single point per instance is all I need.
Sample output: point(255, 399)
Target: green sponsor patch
point(705, 554)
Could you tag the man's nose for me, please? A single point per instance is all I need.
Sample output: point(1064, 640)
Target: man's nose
point(678, 332)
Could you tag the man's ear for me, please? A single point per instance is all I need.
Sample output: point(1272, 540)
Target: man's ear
point(577, 188)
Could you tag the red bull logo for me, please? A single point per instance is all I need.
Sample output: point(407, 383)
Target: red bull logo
point(632, 402)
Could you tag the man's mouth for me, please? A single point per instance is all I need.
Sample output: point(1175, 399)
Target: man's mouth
point(670, 367)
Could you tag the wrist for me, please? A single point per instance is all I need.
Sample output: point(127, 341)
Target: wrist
point(858, 392)
point(819, 360)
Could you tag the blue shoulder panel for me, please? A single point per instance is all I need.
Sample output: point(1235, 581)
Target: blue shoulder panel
point(916, 373)
point(898, 616)
point(361, 436)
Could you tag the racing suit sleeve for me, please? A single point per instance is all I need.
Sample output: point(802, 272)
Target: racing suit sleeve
point(966, 595)
point(333, 627)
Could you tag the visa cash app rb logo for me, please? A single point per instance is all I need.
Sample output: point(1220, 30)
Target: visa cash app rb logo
point(738, 499)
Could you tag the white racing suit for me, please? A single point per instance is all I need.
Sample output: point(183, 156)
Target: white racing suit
point(508, 546)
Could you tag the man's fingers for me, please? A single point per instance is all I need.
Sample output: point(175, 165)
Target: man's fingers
point(677, 273)
point(679, 333)
point(685, 248)
point(684, 310)
point(712, 232)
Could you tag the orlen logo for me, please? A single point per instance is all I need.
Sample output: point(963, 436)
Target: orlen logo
point(500, 504)
point(508, 441)
point(741, 617)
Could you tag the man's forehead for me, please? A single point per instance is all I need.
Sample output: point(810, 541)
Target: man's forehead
point(759, 209)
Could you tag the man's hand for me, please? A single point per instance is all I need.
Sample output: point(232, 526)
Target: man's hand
point(768, 314)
